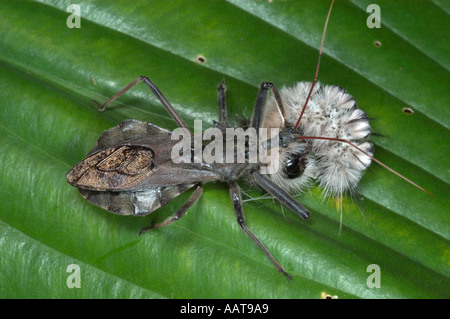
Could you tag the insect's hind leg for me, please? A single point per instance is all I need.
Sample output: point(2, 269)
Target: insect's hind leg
point(180, 213)
point(155, 91)
point(237, 203)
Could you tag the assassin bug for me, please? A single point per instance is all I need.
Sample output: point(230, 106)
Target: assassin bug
point(130, 171)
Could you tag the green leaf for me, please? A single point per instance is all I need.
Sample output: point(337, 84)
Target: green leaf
point(49, 74)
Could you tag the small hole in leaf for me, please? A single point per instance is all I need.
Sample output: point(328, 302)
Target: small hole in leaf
point(200, 59)
point(377, 44)
point(407, 110)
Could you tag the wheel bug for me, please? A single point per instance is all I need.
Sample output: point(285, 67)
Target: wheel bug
point(130, 170)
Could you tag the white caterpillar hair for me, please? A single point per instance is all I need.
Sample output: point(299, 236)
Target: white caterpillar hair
point(330, 113)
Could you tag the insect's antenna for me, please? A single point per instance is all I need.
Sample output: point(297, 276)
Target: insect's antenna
point(373, 158)
point(317, 68)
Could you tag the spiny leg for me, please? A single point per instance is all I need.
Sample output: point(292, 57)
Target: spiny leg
point(283, 197)
point(258, 113)
point(155, 91)
point(180, 213)
point(237, 203)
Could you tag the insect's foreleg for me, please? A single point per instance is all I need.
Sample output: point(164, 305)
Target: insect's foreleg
point(222, 103)
point(155, 91)
point(284, 198)
point(258, 113)
point(237, 203)
point(180, 213)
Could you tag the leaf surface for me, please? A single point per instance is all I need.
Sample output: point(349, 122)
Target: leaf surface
point(49, 74)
